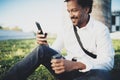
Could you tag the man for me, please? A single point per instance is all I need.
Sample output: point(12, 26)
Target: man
point(77, 65)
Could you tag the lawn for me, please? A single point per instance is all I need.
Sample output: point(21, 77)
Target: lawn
point(12, 51)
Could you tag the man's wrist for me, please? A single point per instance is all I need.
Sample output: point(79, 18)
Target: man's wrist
point(78, 66)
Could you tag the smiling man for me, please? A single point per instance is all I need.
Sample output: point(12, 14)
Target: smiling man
point(90, 55)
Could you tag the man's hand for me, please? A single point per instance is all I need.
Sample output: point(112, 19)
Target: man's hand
point(41, 38)
point(62, 65)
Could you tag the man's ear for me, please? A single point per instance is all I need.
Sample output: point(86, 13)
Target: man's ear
point(87, 9)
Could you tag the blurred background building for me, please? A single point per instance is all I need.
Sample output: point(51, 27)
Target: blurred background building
point(115, 21)
point(102, 12)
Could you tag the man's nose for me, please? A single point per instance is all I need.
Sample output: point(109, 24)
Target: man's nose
point(71, 14)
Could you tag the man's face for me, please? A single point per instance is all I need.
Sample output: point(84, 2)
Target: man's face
point(76, 12)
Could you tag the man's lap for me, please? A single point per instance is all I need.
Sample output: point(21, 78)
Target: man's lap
point(95, 74)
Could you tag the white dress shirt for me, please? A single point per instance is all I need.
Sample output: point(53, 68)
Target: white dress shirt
point(95, 38)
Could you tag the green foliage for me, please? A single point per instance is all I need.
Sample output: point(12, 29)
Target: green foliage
point(0, 27)
point(41, 73)
point(16, 28)
point(116, 45)
point(12, 51)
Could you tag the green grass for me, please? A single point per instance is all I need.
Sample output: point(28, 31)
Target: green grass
point(12, 51)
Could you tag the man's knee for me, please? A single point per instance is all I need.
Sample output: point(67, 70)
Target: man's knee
point(46, 50)
point(40, 50)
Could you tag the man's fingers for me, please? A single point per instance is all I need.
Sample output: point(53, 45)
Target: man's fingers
point(57, 65)
point(55, 60)
point(59, 71)
point(41, 39)
point(58, 68)
point(40, 36)
point(38, 32)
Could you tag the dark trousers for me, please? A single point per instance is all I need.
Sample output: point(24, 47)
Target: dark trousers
point(42, 55)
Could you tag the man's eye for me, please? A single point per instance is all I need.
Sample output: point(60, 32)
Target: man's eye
point(68, 11)
point(74, 10)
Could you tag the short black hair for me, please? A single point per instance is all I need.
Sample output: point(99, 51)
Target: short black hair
point(84, 3)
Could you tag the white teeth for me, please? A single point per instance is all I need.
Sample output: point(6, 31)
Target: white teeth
point(73, 20)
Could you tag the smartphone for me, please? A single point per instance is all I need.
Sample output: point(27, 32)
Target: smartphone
point(39, 27)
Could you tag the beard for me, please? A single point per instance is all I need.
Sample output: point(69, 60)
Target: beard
point(78, 20)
